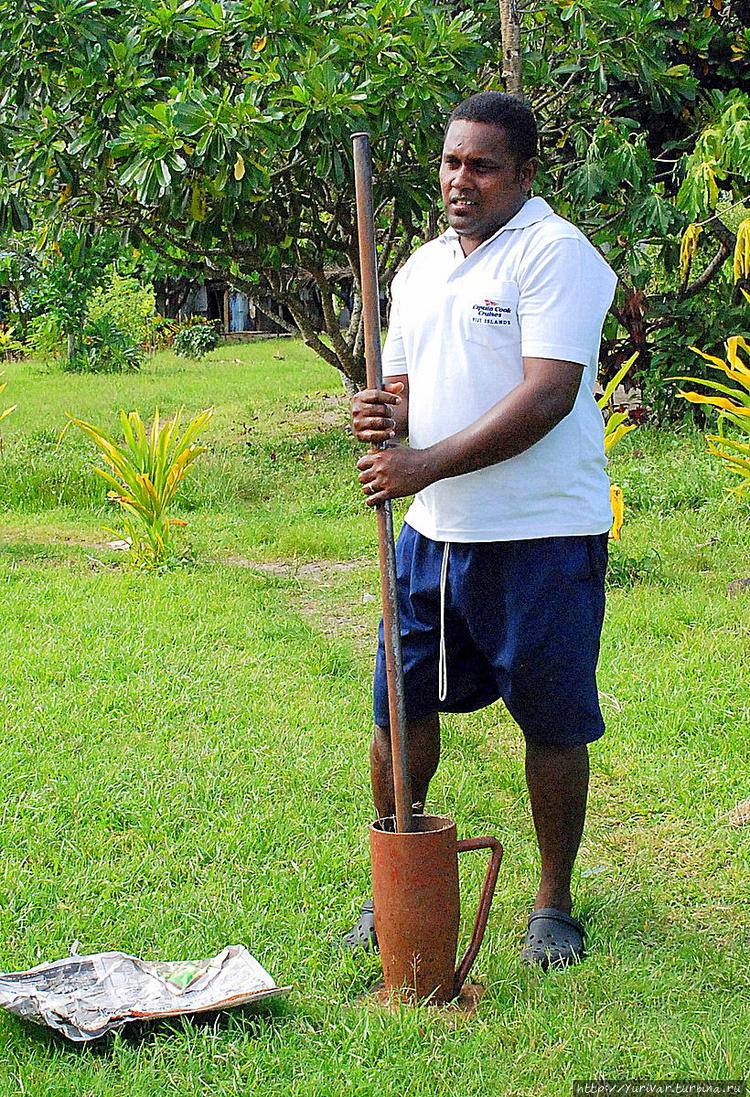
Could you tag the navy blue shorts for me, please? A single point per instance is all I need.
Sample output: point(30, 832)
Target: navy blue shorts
point(522, 621)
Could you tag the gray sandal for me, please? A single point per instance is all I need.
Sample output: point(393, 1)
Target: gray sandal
point(553, 939)
point(362, 934)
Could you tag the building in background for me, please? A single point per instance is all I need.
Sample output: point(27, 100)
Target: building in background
point(239, 314)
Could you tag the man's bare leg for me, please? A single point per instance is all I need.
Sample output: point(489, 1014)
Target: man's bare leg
point(558, 784)
point(424, 755)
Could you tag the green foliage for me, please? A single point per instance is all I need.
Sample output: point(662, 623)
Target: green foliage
point(18, 271)
point(162, 332)
point(10, 347)
point(145, 474)
point(681, 324)
point(129, 305)
point(104, 347)
point(80, 294)
point(220, 139)
point(195, 337)
point(72, 268)
point(625, 569)
point(644, 111)
point(624, 119)
point(672, 322)
point(223, 135)
point(720, 158)
point(46, 338)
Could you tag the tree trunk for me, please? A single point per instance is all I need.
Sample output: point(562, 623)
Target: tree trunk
point(510, 32)
point(351, 388)
point(71, 346)
point(22, 317)
point(319, 328)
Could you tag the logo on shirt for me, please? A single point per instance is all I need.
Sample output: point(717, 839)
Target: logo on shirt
point(491, 312)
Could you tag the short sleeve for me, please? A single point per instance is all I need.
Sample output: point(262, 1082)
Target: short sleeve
point(394, 357)
point(565, 291)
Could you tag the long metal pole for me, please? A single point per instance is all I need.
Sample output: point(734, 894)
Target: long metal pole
point(368, 262)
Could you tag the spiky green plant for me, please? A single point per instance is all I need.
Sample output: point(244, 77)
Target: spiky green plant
point(144, 476)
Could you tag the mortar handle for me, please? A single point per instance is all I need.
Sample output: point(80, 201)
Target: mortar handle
point(488, 891)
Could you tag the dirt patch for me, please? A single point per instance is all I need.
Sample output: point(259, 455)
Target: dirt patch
point(14, 536)
point(349, 626)
point(738, 587)
point(311, 569)
point(740, 815)
point(316, 578)
point(328, 410)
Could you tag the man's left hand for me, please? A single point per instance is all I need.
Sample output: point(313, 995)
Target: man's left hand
point(393, 473)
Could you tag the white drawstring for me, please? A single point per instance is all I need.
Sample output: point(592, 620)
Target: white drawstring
point(443, 658)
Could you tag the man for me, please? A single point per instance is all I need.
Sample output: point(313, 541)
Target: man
point(491, 360)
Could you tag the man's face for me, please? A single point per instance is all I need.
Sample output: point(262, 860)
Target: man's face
point(481, 182)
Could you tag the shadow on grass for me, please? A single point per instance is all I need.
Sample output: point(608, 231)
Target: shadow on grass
point(250, 1021)
point(637, 952)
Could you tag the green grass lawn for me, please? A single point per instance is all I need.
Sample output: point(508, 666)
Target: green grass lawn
point(184, 762)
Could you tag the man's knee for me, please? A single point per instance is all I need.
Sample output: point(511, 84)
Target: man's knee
point(423, 741)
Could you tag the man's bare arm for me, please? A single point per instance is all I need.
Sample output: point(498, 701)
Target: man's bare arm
point(544, 397)
point(529, 412)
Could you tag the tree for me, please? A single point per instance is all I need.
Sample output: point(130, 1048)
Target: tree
point(644, 110)
point(18, 270)
point(219, 133)
point(510, 41)
point(69, 272)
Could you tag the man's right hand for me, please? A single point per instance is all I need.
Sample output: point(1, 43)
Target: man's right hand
point(374, 414)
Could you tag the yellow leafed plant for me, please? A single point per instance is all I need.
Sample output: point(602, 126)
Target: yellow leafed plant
point(7, 411)
point(688, 248)
point(617, 503)
point(9, 345)
point(145, 474)
point(733, 405)
point(742, 251)
point(615, 428)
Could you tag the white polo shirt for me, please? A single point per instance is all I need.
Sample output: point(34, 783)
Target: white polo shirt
point(460, 327)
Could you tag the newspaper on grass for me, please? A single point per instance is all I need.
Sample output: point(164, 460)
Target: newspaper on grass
point(85, 997)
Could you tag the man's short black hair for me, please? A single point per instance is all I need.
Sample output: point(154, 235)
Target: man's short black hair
point(506, 111)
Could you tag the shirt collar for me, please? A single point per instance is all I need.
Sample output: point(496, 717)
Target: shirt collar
point(532, 211)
